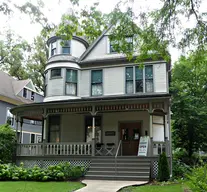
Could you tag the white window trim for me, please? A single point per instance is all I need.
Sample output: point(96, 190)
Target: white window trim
point(8, 110)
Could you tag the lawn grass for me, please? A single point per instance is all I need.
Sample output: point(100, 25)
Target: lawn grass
point(22, 186)
point(156, 188)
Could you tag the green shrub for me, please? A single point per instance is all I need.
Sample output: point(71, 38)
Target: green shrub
point(179, 169)
point(7, 143)
point(198, 179)
point(163, 168)
point(60, 172)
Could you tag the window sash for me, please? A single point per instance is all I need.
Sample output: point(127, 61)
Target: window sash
point(71, 76)
point(139, 86)
point(129, 73)
point(149, 86)
point(66, 47)
point(55, 72)
point(96, 89)
point(25, 92)
point(129, 86)
point(71, 88)
point(96, 76)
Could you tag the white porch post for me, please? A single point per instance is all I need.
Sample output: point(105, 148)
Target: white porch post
point(21, 125)
point(17, 128)
point(150, 129)
point(93, 131)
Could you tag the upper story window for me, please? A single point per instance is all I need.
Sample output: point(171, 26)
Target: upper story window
point(71, 82)
point(139, 80)
point(96, 82)
point(66, 47)
point(55, 73)
point(32, 96)
point(149, 78)
point(25, 93)
point(9, 117)
point(129, 41)
point(53, 48)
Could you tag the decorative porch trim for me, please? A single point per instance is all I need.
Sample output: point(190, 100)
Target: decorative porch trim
point(69, 110)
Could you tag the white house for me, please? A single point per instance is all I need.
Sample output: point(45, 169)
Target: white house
point(96, 108)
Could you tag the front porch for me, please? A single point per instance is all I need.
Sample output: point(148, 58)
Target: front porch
point(77, 132)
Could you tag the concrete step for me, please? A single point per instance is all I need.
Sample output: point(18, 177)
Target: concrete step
point(119, 164)
point(119, 168)
point(117, 177)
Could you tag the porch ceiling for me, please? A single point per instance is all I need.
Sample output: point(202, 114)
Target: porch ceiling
point(84, 105)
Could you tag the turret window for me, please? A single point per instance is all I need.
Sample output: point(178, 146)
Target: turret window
point(71, 82)
point(53, 48)
point(55, 72)
point(66, 47)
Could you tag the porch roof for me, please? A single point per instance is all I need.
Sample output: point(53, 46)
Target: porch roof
point(36, 109)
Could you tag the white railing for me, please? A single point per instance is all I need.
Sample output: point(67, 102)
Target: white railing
point(55, 149)
point(68, 149)
point(29, 149)
point(158, 147)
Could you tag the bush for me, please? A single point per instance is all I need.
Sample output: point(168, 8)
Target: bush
point(179, 169)
point(7, 143)
point(60, 172)
point(163, 168)
point(198, 179)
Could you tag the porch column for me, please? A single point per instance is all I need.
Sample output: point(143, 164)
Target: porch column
point(21, 124)
point(17, 129)
point(150, 130)
point(93, 136)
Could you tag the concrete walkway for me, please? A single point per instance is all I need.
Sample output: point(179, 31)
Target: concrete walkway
point(107, 186)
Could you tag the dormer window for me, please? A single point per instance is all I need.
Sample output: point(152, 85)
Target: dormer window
point(66, 47)
point(32, 96)
point(55, 73)
point(53, 48)
point(25, 93)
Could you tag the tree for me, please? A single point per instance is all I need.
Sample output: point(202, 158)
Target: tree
point(189, 100)
point(7, 143)
point(163, 168)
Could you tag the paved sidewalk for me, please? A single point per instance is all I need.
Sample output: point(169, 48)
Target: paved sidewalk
point(107, 185)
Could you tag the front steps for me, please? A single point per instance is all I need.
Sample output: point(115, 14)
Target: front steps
point(129, 168)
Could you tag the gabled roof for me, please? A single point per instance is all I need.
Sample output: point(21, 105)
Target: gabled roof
point(10, 87)
point(92, 46)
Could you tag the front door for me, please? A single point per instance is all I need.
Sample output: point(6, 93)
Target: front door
point(130, 134)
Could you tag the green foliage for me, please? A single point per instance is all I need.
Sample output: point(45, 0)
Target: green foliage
point(198, 178)
point(60, 172)
point(189, 100)
point(163, 168)
point(7, 143)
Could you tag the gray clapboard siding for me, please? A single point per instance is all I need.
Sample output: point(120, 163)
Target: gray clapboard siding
point(160, 78)
point(113, 81)
point(85, 83)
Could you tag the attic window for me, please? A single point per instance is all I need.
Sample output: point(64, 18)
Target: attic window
point(32, 96)
point(25, 93)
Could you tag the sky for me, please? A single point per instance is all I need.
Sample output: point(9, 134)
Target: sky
point(54, 9)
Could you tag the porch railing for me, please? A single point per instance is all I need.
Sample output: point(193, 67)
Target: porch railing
point(54, 149)
point(158, 147)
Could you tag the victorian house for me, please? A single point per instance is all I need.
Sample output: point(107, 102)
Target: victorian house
point(100, 111)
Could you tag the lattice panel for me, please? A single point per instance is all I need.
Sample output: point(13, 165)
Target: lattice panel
point(154, 169)
point(47, 163)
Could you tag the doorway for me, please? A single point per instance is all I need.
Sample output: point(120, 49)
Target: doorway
point(130, 135)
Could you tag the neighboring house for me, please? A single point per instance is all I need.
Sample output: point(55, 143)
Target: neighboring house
point(97, 103)
point(15, 92)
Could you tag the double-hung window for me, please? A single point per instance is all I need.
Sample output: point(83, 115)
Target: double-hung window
point(129, 80)
point(139, 79)
point(55, 72)
point(66, 47)
point(25, 93)
point(71, 82)
point(9, 117)
point(53, 48)
point(54, 129)
point(96, 83)
point(148, 78)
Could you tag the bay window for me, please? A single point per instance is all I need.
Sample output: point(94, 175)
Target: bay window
point(139, 80)
point(148, 78)
point(96, 83)
point(71, 82)
point(129, 80)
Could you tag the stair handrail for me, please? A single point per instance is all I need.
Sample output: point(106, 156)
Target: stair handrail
point(117, 151)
